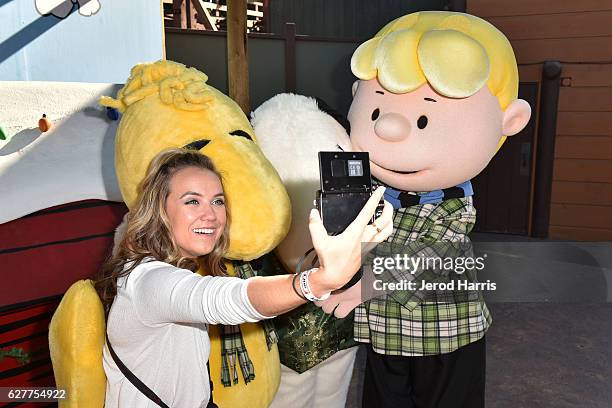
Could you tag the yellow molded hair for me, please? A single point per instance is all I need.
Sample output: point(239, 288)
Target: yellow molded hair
point(455, 53)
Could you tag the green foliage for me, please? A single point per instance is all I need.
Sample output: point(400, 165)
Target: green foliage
point(16, 353)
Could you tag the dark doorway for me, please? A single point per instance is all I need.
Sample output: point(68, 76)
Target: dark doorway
point(502, 190)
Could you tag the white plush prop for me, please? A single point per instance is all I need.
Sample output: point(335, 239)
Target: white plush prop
point(73, 161)
point(291, 130)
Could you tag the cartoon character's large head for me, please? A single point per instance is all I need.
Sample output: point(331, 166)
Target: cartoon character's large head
point(165, 104)
point(436, 99)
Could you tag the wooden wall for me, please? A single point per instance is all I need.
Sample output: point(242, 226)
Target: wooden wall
point(579, 34)
point(343, 18)
point(206, 50)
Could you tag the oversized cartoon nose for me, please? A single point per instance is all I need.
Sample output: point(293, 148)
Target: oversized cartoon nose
point(392, 127)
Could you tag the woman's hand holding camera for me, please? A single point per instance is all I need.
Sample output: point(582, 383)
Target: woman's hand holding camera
point(340, 255)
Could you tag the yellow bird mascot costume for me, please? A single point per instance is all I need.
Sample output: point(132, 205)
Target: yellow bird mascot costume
point(165, 104)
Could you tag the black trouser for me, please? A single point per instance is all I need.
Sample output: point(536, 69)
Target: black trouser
point(453, 380)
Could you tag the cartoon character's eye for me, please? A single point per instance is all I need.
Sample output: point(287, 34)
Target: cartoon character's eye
point(241, 133)
point(375, 114)
point(192, 202)
point(197, 145)
point(422, 122)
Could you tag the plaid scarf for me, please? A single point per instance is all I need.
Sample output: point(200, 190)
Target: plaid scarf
point(233, 349)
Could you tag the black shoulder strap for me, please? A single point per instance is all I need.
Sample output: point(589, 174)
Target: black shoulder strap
point(133, 379)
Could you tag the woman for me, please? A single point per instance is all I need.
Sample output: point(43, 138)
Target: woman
point(160, 308)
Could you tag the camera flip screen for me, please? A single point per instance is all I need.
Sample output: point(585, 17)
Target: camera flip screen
point(345, 172)
point(344, 168)
point(346, 186)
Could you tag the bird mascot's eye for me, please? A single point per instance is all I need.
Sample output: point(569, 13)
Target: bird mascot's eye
point(197, 145)
point(241, 133)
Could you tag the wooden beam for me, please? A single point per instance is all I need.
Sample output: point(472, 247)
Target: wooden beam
point(266, 16)
point(184, 16)
point(290, 58)
point(545, 151)
point(176, 13)
point(188, 14)
point(203, 17)
point(237, 54)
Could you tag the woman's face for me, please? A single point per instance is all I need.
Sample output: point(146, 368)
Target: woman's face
point(196, 210)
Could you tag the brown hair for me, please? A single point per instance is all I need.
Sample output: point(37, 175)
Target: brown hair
point(148, 232)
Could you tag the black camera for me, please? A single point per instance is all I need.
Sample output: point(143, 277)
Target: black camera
point(346, 185)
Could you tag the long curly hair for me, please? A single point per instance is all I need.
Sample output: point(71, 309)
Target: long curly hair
point(148, 231)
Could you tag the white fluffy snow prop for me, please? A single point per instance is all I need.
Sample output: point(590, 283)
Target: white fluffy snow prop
point(71, 162)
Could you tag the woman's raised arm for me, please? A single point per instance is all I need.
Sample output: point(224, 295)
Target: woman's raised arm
point(339, 257)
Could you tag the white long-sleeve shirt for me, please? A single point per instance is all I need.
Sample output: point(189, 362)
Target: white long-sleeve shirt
point(157, 327)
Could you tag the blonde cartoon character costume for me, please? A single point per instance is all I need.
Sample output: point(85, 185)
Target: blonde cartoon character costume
point(165, 104)
point(435, 100)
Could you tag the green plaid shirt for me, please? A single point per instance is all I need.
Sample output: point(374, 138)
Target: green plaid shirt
point(400, 323)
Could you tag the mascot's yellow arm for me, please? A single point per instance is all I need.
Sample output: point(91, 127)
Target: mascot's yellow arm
point(77, 363)
point(76, 340)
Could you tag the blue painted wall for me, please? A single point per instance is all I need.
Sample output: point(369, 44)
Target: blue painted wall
point(99, 48)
